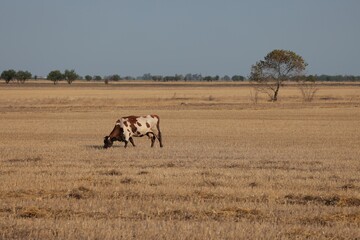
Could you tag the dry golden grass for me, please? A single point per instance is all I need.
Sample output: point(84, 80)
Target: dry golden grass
point(230, 169)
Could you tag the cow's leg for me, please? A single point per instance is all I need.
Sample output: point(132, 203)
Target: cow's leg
point(132, 141)
point(153, 138)
point(157, 133)
point(126, 139)
point(159, 138)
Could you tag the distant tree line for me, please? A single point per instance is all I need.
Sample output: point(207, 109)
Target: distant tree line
point(334, 78)
point(70, 76)
point(93, 78)
point(190, 78)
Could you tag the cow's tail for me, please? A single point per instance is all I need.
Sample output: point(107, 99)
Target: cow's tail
point(159, 132)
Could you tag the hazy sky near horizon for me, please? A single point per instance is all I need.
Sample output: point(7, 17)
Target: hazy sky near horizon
point(167, 37)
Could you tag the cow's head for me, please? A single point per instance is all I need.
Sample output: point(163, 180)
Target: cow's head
point(108, 142)
point(117, 134)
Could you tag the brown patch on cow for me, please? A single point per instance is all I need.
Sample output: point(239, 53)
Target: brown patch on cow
point(139, 124)
point(133, 128)
point(147, 124)
point(138, 133)
point(126, 124)
point(118, 121)
point(115, 133)
point(132, 119)
point(128, 130)
point(154, 116)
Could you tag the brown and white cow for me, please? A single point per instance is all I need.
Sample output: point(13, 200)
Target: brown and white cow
point(133, 126)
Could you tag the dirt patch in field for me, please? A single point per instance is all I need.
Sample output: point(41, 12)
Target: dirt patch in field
point(31, 212)
point(32, 194)
point(80, 193)
point(329, 219)
point(42, 212)
point(322, 200)
point(111, 172)
point(349, 202)
point(308, 199)
point(349, 186)
point(225, 214)
point(142, 173)
point(128, 180)
point(210, 183)
point(22, 160)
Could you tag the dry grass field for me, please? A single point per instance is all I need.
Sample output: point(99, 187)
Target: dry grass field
point(229, 169)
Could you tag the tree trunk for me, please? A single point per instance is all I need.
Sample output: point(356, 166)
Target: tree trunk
point(276, 92)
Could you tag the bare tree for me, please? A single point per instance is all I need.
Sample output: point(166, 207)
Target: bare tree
point(308, 89)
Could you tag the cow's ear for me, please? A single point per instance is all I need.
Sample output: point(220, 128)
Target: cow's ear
point(106, 137)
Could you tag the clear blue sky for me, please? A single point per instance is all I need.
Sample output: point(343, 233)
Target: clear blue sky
point(211, 37)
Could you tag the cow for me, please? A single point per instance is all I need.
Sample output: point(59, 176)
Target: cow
point(134, 126)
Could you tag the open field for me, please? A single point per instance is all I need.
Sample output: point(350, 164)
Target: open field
point(229, 169)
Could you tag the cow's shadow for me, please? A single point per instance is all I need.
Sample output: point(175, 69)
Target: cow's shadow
point(97, 147)
point(101, 147)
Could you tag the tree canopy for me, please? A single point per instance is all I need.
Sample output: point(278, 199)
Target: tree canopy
point(8, 75)
point(88, 78)
point(70, 76)
point(22, 76)
point(55, 76)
